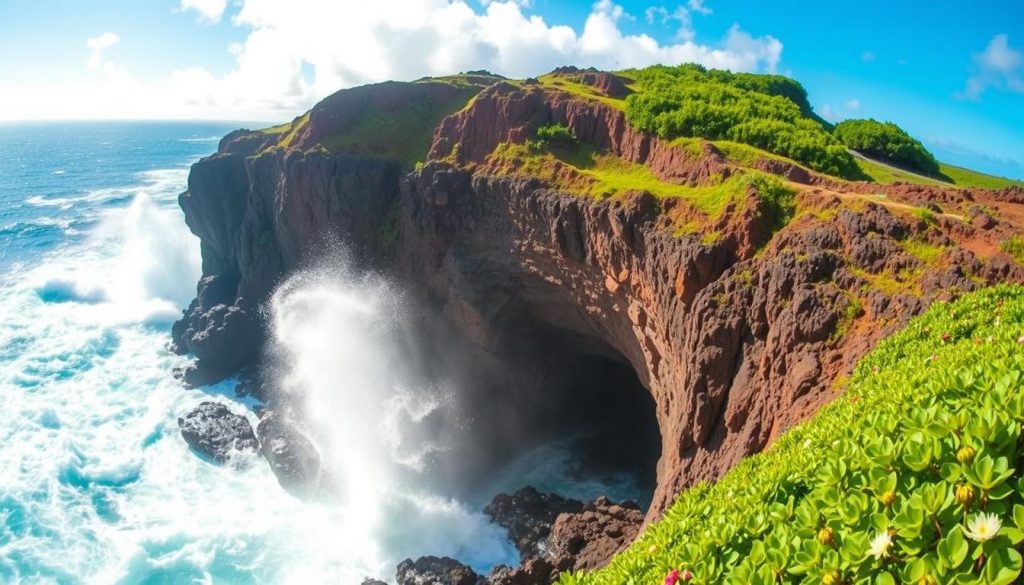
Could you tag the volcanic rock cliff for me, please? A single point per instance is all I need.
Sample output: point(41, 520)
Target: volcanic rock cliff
point(738, 329)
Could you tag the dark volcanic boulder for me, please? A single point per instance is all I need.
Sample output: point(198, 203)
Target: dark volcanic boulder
point(373, 582)
point(435, 571)
point(292, 456)
point(535, 571)
point(528, 515)
point(213, 430)
point(588, 539)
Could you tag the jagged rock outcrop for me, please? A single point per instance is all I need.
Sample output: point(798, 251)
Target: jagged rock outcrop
point(292, 456)
point(258, 217)
point(216, 432)
point(435, 571)
point(736, 337)
point(528, 515)
point(555, 534)
point(589, 538)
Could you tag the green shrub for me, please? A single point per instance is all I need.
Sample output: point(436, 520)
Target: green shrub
point(780, 200)
point(557, 135)
point(770, 112)
point(926, 215)
point(915, 475)
point(1014, 246)
point(888, 142)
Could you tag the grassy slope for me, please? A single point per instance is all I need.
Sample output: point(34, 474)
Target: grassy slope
point(403, 135)
point(745, 154)
point(958, 176)
point(605, 176)
point(969, 178)
point(951, 379)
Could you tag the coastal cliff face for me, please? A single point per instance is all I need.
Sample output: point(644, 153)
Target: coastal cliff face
point(736, 337)
point(258, 217)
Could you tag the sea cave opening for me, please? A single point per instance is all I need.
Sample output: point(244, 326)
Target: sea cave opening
point(572, 417)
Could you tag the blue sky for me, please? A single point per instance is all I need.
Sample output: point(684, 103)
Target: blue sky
point(950, 73)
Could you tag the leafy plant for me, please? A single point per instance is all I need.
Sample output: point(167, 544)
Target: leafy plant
point(926, 215)
point(888, 142)
point(557, 135)
point(767, 111)
point(914, 475)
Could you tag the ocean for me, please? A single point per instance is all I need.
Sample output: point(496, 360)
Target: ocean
point(96, 484)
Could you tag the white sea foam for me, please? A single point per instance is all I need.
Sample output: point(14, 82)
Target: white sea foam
point(98, 486)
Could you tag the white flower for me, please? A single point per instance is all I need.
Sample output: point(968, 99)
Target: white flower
point(880, 545)
point(983, 527)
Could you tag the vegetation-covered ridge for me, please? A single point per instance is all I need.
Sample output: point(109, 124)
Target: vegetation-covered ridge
point(887, 142)
point(914, 475)
point(556, 156)
point(393, 120)
point(755, 116)
point(767, 111)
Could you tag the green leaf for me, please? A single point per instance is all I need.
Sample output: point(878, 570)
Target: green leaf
point(953, 548)
point(1003, 566)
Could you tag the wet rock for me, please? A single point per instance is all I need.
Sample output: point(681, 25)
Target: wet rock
point(533, 571)
point(291, 455)
point(528, 515)
point(589, 538)
point(213, 430)
point(435, 571)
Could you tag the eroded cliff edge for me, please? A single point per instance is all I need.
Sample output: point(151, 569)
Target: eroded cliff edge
point(735, 336)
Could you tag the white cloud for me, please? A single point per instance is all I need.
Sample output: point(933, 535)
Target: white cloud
point(300, 51)
point(867, 56)
point(698, 6)
point(209, 11)
point(999, 65)
point(685, 31)
point(853, 105)
point(96, 46)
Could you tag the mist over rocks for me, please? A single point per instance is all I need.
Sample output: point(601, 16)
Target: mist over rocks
point(292, 456)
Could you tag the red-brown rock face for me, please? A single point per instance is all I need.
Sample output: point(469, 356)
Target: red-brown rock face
point(735, 340)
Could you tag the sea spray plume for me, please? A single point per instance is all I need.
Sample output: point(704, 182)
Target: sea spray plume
point(342, 357)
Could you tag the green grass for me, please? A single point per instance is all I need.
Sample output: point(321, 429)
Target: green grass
point(853, 309)
point(1014, 246)
point(968, 178)
point(746, 154)
point(288, 132)
point(887, 175)
point(404, 134)
point(604, 176)
point(927, 436)
point(923, 251)
point(958, 176)
point(564, 83)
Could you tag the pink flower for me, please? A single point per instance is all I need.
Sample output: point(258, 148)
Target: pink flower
point(687, 575)
point(672, 577)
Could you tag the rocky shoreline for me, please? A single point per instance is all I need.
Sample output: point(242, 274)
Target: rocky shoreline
point(553, 534)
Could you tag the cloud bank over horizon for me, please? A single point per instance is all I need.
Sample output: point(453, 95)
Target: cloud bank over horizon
point(288, 60)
